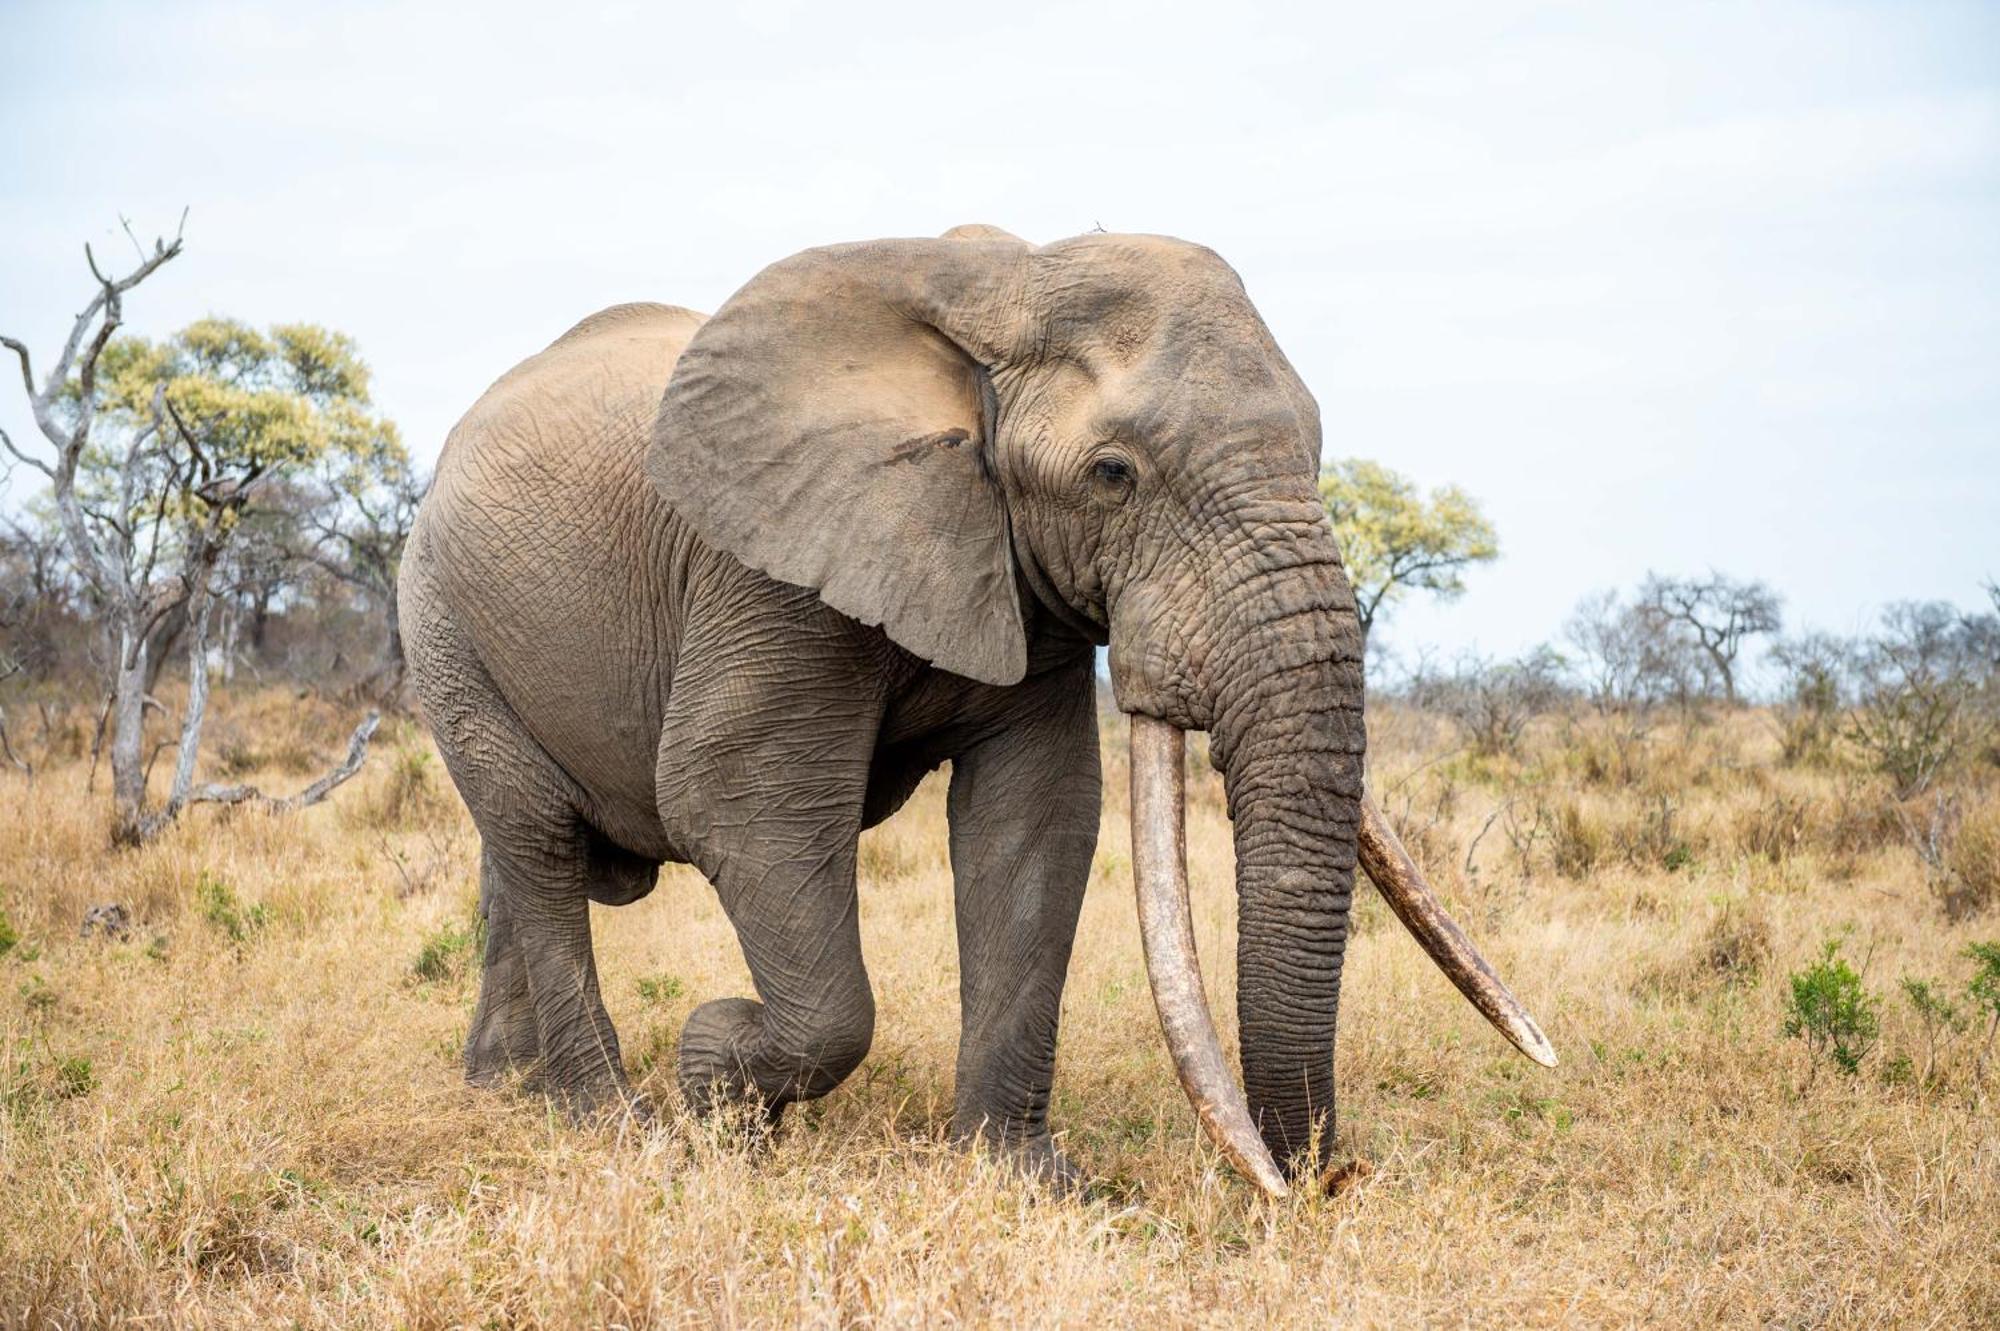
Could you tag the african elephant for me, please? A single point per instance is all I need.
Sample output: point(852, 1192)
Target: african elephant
point(723, 591)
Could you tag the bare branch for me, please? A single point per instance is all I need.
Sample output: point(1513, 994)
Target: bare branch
point(7, 442)
point(125, 224)
point(107, 292)
point(357, 753)
point(20, 349)
point(160, 399)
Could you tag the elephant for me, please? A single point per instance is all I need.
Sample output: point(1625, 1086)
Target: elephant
point(722, 591)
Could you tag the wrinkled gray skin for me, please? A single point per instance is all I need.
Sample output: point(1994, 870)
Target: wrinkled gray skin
point(723, 591)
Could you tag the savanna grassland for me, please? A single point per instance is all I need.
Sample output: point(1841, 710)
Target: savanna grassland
point(249, 1111)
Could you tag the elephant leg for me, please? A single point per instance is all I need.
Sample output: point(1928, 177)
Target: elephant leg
point(1023, 810)
point(763, 772)
point(504, 1036)
point(817, 1015)
point(539, 1007)
point(546, 908)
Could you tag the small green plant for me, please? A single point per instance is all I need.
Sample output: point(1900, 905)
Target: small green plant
point(1940, 1016)
point(224, 910)
point(8, 935)
point(1984, 994)
point(657, 989)
point(73, 1077)
point(37, 995)
point(447, 952)
point(29, 1079)
point(1833, 1012)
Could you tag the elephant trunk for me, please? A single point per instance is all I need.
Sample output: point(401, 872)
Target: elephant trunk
point(1291, 753)
point(1287, 733)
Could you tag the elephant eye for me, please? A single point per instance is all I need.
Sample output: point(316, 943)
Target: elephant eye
point(1112, 471)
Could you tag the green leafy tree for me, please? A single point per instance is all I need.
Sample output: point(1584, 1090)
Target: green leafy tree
point(1395, 539)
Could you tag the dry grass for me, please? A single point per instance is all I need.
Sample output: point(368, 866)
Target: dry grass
point(249, 1112)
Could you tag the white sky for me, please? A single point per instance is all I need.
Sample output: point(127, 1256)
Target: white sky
point(1664, 285)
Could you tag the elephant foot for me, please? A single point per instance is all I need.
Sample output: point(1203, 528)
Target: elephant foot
point(505, 1044)
point(713, 1067)
point(1034, 1158)
point(504, 1038)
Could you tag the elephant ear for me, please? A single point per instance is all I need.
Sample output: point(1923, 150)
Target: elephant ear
point(831, 426)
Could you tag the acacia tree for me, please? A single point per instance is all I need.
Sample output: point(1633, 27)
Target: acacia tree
point(158, 448)
point(1718, 612)
point(1395, 539)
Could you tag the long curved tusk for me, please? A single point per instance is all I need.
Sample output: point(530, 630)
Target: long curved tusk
point(1159, 871)
point(1403, 887)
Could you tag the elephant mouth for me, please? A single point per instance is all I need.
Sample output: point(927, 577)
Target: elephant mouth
point(1159, 871)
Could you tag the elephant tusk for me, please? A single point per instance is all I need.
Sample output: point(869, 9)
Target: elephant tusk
point(1402, 885)
point(1159, 872)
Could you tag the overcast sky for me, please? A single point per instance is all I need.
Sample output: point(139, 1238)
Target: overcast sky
point(1665, 286)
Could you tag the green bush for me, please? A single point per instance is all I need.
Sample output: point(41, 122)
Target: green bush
point(1833, 1012)
point(654, 990)
point(1984, 994)
point(448, 952)
point(224, 910)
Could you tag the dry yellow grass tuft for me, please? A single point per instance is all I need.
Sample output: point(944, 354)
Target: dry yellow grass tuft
point(248, 1111)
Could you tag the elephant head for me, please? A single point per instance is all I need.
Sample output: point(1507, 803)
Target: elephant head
point(934, 433)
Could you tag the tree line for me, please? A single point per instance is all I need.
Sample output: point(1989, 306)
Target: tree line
point(229, 498)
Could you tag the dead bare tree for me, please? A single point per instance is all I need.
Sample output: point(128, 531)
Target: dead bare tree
point(113, 555)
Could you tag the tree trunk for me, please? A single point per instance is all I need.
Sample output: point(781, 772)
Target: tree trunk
point(161, 648)
point(197, 704)
point(392, 646)
point(260, 620)
point(128, 734)
point(232, 627)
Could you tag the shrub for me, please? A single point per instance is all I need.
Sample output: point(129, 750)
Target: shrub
point(1815, 669)
point(222, 909)
point(1738, 944)
point(1919, 686)
point(1660, 840)
point(657, 989)
point(1774, 829)
point(1494, 701)
point(409, 792)
point(1984, 994)
point(1972, 863)
point(1576, 841)
point(1833, 1012)
point(1940, 1017)
point(448, 952)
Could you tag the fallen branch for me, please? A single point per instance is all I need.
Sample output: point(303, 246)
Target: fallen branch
point(357, 751)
